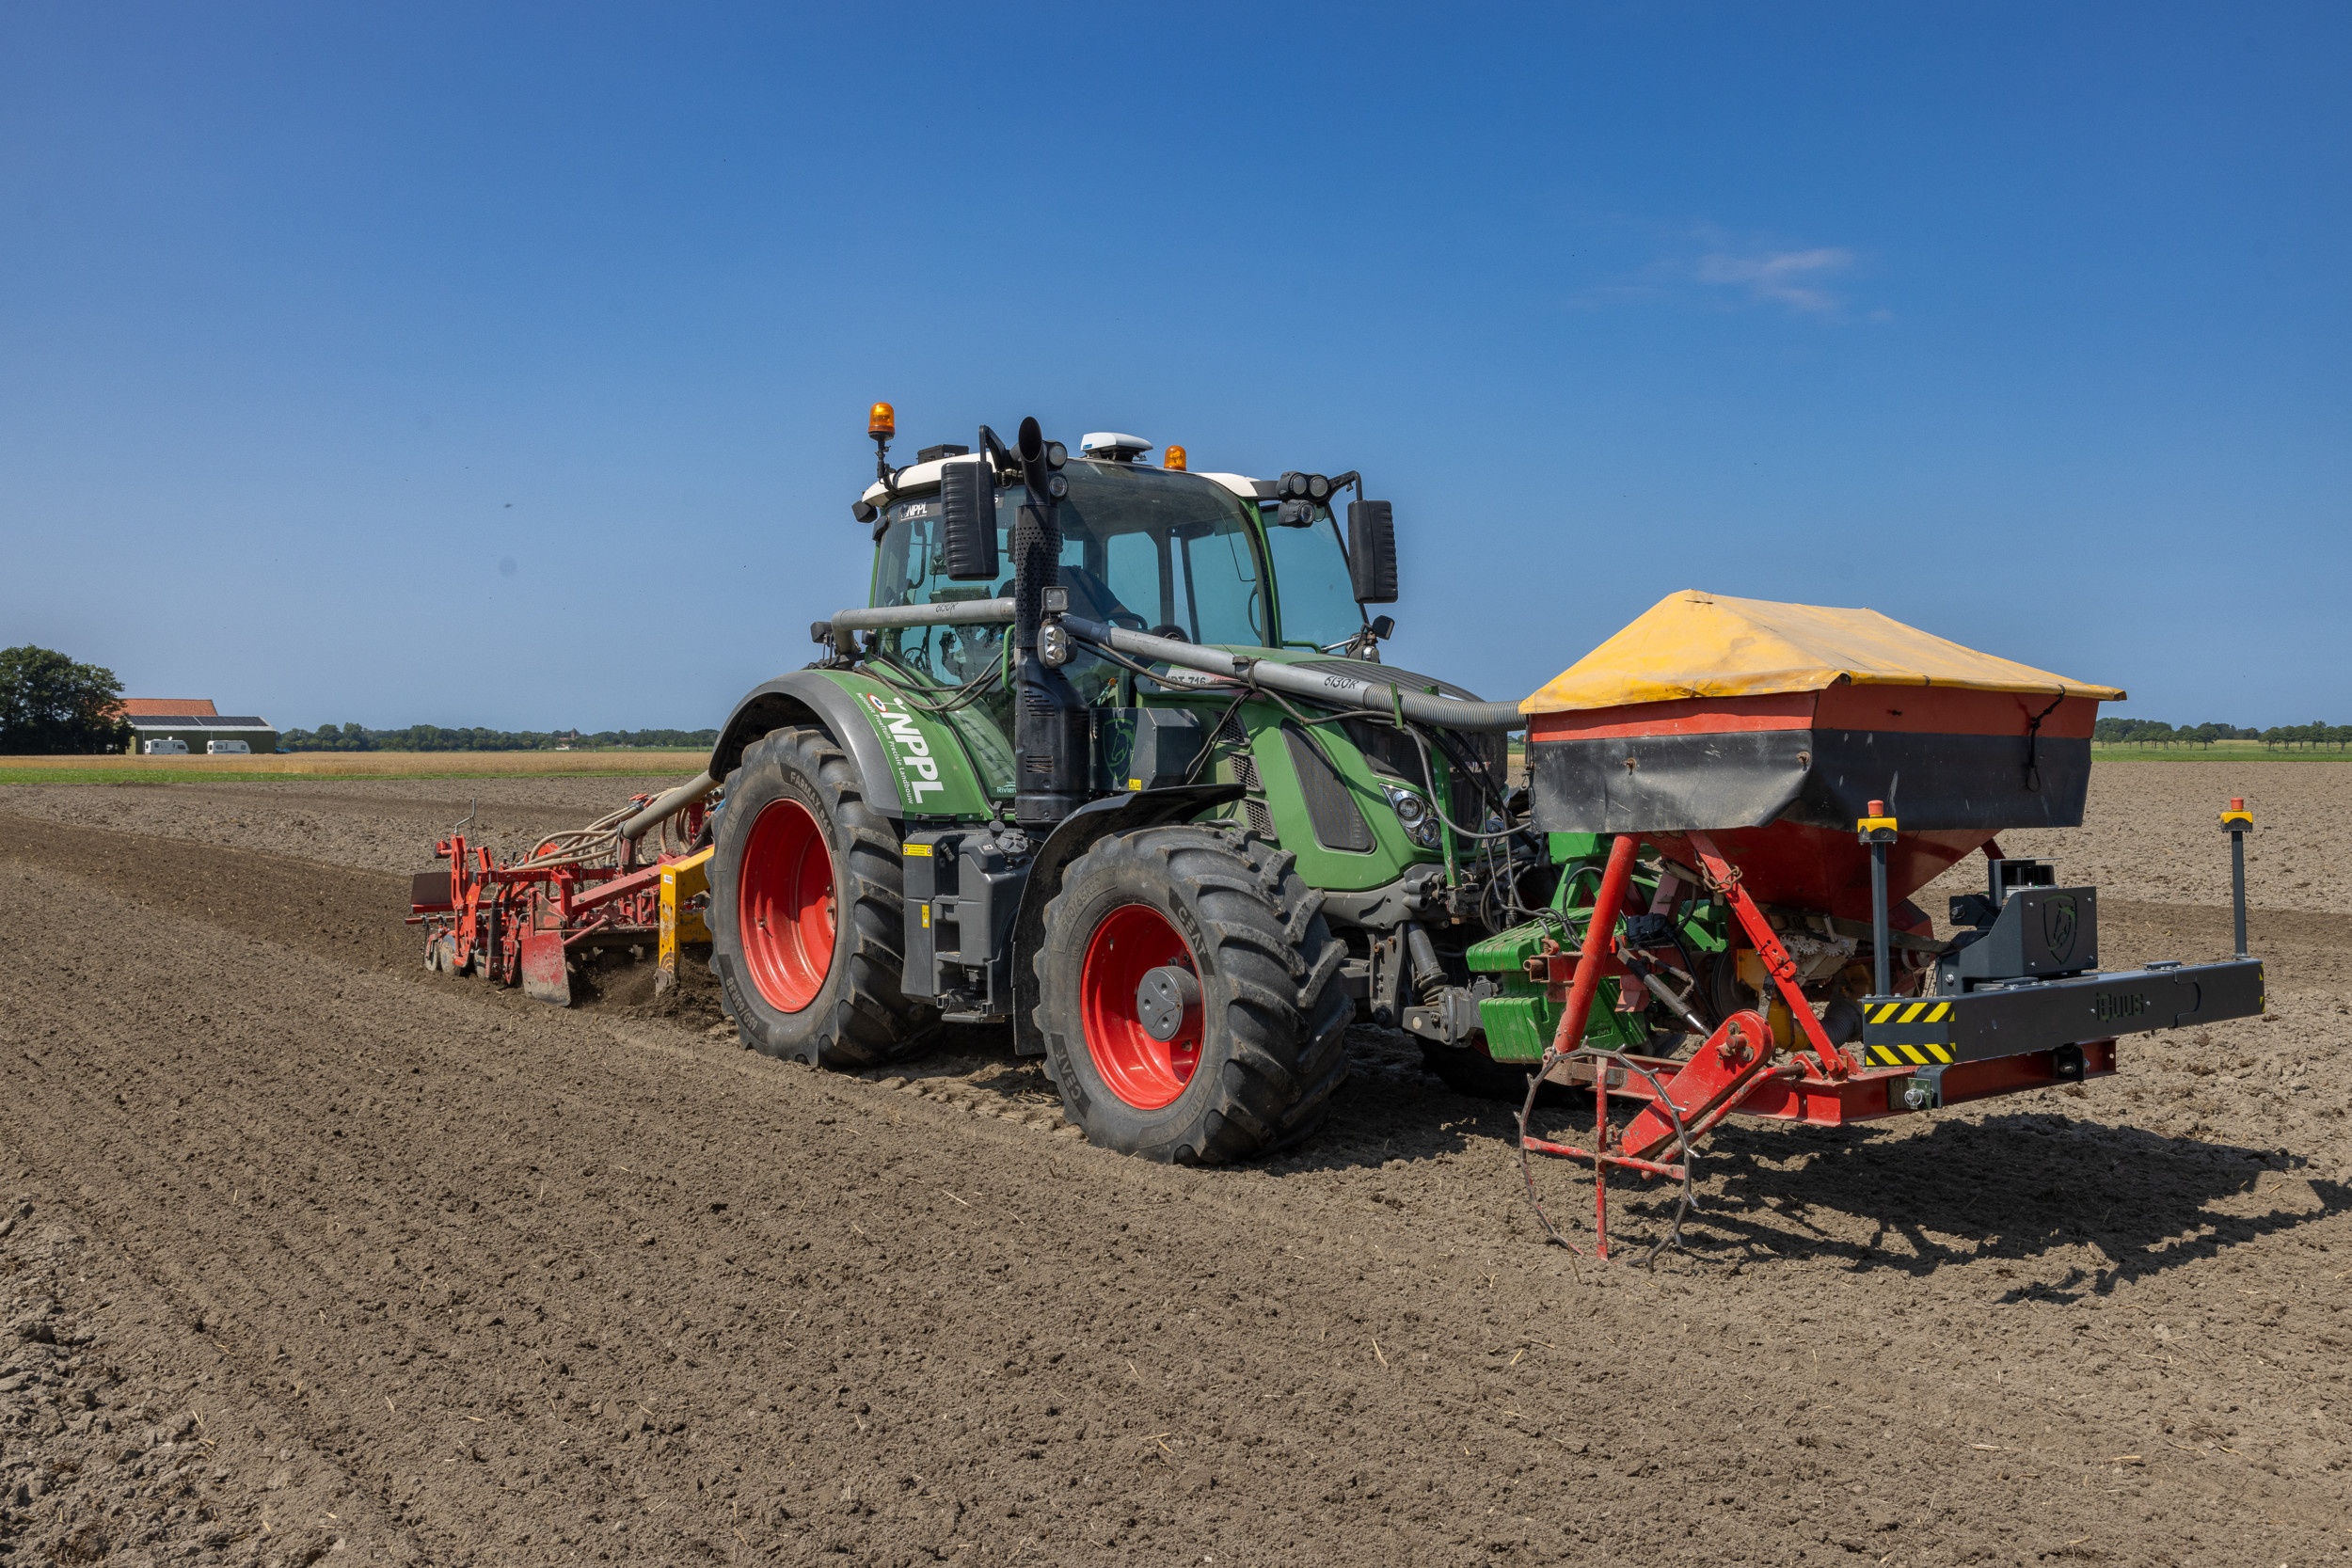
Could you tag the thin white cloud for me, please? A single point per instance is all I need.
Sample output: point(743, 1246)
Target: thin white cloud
point(1706, 267)
point(1791, 279)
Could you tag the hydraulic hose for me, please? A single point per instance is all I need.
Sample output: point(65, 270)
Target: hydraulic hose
point(1319, 685)
point(666, 805)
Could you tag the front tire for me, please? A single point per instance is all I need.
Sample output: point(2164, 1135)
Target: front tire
point(806, 890)
point(1190, 997)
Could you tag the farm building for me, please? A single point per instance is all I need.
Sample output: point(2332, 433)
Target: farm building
point(195, 721)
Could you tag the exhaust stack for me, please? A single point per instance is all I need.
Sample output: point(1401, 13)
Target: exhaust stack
point(1050, 757)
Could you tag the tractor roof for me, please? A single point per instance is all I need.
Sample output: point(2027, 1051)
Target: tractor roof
point(918, 477)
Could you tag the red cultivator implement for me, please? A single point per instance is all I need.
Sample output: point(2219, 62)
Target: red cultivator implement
point(523, 922)
point(1738, 1067)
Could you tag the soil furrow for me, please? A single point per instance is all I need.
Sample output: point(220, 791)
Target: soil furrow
point(556, 1284)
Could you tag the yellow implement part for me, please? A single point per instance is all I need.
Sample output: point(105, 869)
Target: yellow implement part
point(680, 921)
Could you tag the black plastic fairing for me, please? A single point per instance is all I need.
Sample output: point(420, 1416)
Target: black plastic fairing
point(1820, 778)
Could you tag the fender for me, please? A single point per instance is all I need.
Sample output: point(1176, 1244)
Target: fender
point(1073, 836)
point(925, 761)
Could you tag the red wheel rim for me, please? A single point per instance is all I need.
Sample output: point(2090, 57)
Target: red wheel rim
point(784, 905)
point(1131, 941)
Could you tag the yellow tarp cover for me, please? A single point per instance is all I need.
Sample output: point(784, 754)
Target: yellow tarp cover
point(1695, 644)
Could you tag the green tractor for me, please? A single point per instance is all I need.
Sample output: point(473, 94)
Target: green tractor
point(1110, 757)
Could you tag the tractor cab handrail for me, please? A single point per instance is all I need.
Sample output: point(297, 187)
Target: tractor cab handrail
point(945, 612)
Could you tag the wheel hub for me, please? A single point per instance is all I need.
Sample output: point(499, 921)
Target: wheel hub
point(1169, 1002)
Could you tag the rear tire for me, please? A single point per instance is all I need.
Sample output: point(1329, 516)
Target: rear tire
point(1253, 1067)
point(806, 898)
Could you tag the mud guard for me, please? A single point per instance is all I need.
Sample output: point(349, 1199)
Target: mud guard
point(914, 765)
point(802, 695)
point(1071, 837)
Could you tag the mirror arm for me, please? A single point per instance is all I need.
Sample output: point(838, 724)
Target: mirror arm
point(1001, 462)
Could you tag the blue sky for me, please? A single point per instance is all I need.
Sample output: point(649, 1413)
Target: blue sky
point(505, 365)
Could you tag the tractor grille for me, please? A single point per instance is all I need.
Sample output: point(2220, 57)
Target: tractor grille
point(1338, 824)
point(1390, 750)
point(1229, 733)
point(1254, 805)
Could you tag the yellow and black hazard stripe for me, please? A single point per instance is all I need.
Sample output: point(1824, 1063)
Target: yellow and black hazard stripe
point(1926, 1021)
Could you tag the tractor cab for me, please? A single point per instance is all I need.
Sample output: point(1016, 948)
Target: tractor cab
point(1217, 559)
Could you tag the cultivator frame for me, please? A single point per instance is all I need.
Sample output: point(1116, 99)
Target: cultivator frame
point(521, 921)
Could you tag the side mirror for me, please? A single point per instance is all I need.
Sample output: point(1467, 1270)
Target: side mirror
point(1382, 628)
point(967, 507)
point(1372, 551)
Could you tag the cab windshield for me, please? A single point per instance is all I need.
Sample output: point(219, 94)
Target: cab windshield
point(1318, 598)
point(1166, 553)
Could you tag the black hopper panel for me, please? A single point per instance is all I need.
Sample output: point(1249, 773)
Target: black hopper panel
point(1818, 778)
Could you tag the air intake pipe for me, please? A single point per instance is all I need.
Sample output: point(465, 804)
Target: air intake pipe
point(666, 805)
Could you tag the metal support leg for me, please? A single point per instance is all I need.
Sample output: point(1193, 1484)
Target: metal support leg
point(1878, 918)
point(2237, 887)
point(1878, 831)
point(2239, 822)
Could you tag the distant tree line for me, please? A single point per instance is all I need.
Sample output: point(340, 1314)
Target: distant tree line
point(2155, 732)
point(51, 705)
point(432, 738)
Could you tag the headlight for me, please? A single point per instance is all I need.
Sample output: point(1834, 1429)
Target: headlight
point(1421, 824)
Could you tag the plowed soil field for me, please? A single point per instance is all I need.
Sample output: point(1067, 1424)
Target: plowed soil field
point(307, 1255)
